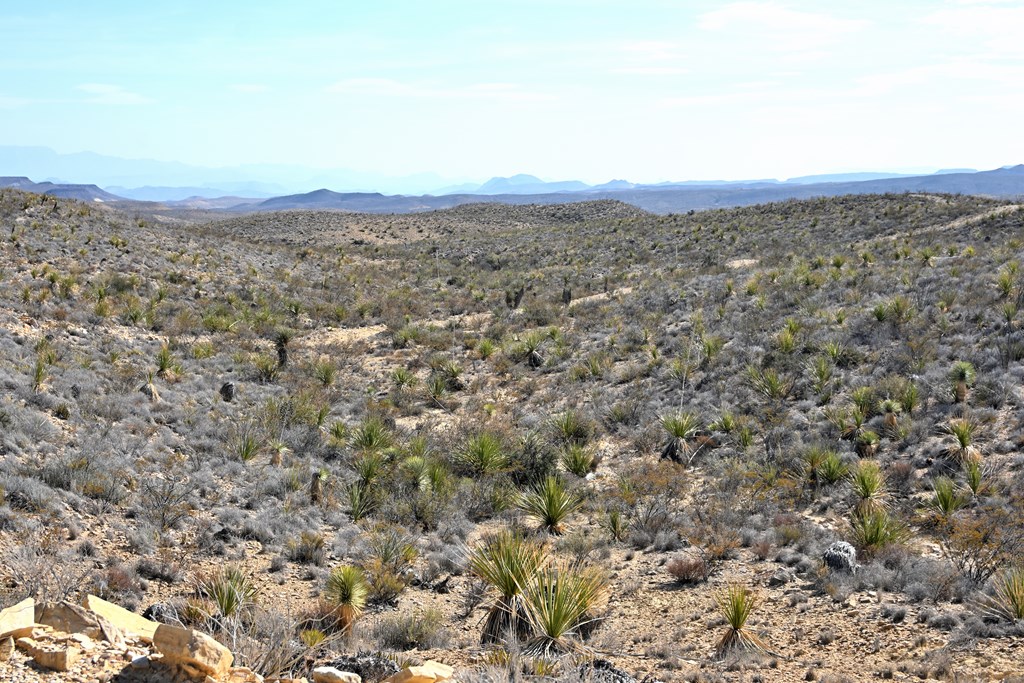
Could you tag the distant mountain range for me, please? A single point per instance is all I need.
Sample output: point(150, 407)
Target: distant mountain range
point(664, 198)
point(669, 197)
point(84, 193)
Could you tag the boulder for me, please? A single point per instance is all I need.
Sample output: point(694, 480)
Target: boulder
point(6, 648)
point(17, 619)
point(192, 650)
point(841, 557)
point(428, 672)
point(130, 623)
point(70, 618)
point(50, 656)
point(328, 674)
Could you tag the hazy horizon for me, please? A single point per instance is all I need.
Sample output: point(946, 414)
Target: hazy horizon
point(647, 91)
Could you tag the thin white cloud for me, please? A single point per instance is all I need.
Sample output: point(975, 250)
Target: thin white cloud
point(249, 88)
point(104, 93)
point(386, 87)
point(777, 27)
point(987, 26)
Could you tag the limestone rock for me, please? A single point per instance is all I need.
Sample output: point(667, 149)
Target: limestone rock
point(328, 674)
point(6, 648)
point(17, 619)
point(184, 648)
point(131, 624)
point(428, 672)
point(50, 655)
point(70, 618)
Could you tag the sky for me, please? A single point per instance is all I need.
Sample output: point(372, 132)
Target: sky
point(647, 90)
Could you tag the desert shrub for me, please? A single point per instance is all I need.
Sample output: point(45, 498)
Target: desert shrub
point(691, 569)
point(309, 548)
point(423, 630)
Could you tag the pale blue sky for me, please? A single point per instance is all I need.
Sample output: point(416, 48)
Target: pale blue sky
point(647, 90)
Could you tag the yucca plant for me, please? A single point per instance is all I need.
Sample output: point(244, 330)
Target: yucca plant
point(814, 459)
point(231, 590)
point(550, 503)
point(962, 376)
point(769, 383)
point(579, 460)
point(890, 410)
point(371, 436)
point(1008, 599)
point(962, 430)
point(361, 501)
point(506, 562)
point(482, 455)
point(832, 468)
point(974, 475)
point(946, 498)
point(569, 428)
point(866, 443)
point(346, 591)
point(869, 486)
point(560, 601)
point(617, 524)
point(736, 603)
point(680, 430)
point(875, 530)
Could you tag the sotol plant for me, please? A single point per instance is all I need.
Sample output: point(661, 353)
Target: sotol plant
point(506, 562)
point(550, 503)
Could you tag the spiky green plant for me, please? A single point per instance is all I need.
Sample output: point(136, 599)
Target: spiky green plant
point(617, 524)
point(946, 498)
point(569, 428)
point(962, 430)
point(371, 436)
point(231, 590)
point(506, 561)
point(346, 591)
point(482, 455)
point(578, 459)
point(560, 600)
point(875, 530)
point(769, 383)
point(974, 475)
point(361, 501)
point(962, 376)
point(736, 603)
point(869, 486)
point(1008, 599)
point(680, 429)
point(866, 443)
point(832, 468)
point(550, 503)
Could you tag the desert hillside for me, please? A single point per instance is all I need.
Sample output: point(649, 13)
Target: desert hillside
point(530, 442)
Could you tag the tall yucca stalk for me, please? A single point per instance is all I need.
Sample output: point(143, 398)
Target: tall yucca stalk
point(506, 562)
point(560, 600)
point(346, 591)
